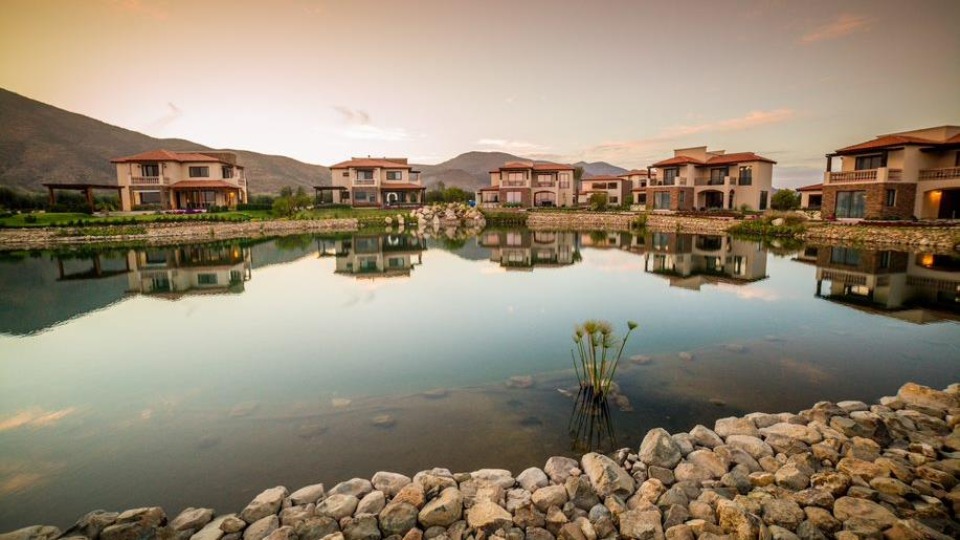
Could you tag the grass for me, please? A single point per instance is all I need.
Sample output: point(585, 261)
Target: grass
point(54, 219)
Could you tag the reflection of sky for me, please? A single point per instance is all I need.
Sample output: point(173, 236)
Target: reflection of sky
point(205, 370)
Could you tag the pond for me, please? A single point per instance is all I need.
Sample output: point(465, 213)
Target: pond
point(199, 375)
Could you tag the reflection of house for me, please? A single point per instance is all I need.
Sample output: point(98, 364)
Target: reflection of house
point(691, 260)
point(697, 178)
point(525, 250)
point(639, 180)
point(918, 288)
point(900, 175)
point(373, 182)
point(811, 197)
point(174, 272)
point(167, 180)
point(614, 188)
point(378, 256)
point(524, 183)
point(606, 239)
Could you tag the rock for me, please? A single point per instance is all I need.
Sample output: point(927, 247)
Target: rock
point(413, 493)
point(260, 529)
point(361, 528)
point(358, 487)
point(911, 529)
point(733, 519)
point(316, 527)
point(398, 518)
point(643, 525)
point(266, 503)
point(192, 519)
point(662, 474)
point(372, 503)
point(571, 531)
point(553, 495)
point(389, 483)
point(659, 449)
point(533, 479)
point(791, 477)
point(307, 494)
point(383, 421)
point(232, 524)
point(213, 530)
point(782, 512)
point(751, 445)
point(863, 469)
point(732, 425)
point(814, 497)
point(702, 436)
point(802, 433)
point(846, 508)
point(487, 515)
point(680, 532)
point(338, 506)
point(444, 510)
point(283, 533)
point(520, 381)
point(92, 523)
point(151, 516)
point(836, 483)
point(916, 395)
point(500, 477)
point(606, 476)
point(292, 515)
point(35, 532)
point(558, 468)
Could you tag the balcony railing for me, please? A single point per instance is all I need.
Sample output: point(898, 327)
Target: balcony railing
point(708, 181)
point(364, 182)
point(513, 183)
point(149, 180)
point(940, 174)
point(882, 174)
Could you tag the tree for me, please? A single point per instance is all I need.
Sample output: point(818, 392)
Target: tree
point(598, 201)
point(301, 199)
point(785, 199)
point(286, 191)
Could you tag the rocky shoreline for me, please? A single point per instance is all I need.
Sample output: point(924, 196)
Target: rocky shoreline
point(842, 470)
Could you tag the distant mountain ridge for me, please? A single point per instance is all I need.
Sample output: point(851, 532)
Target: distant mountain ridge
point(40, 143)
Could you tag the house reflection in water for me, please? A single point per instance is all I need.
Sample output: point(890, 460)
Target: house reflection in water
point(918, 288)
point(692, 260)
point(99, 265)
point(525, 250)
point(175, 272)
point(378, 256)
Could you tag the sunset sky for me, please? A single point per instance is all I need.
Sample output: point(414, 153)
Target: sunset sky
point(619, 81)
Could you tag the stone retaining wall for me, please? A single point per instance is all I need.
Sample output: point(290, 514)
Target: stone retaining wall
point(842, 470)
point(586, 221)
point(940, 238)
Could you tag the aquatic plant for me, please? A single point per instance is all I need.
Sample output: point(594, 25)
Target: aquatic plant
point(594, 362)
point(591, 428)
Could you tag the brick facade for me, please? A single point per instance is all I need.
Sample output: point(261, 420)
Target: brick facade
point(526, 197)
point(674, 197)
point(876, 197)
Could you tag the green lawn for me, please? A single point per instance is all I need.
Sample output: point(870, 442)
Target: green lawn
point(55, 219)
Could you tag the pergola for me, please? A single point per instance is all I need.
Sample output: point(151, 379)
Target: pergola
point(86, 189)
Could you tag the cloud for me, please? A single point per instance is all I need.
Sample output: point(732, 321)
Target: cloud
point(35, 418)
point(844, 25)
point(511, 145)
point(359, 126)
point(352, 116)
point(173, 113)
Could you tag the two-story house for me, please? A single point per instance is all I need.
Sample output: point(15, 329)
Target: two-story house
point(690, 261)
point(520, 250)
point(616, 189)
point(374, 256)
point(375, 182)
point(639, 180)
point(899, 175)
point(174, 272)
point(695, 178)
point(166, 180)
point(524, 183)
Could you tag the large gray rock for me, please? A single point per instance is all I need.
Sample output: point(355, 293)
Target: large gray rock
point(266, 503)
point(533, 479)
point(307, 494)
point(372, 503)
point(192, 519)
point(398, 518)
point(500, 477)
point(659, 449)
point(260, 529)
point(552, 495)
point(751, 445)
point(34, 532)
point(337, 506)
point(607, 477)
point(292, 515)
point(703, 436)
point(846, 508)
point(389, 483)
point(444, 510)
point(92, 523)
point(641, 524)
point(558, 468)
point(358, 487)
point(316, 528)
point(283, 533)
point(212, 530)
point(926, 397)
point(488, 516)
point(361, 528)
point(732, 425)
point(806, 434)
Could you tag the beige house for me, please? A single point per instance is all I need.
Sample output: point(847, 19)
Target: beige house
point(639, 180)
point(523, 250)
point(811, 197)
point(166, 180)
point(616, 189)
point(695, 178)
point(375, 256)
point(692, 260)
point(526, 184)
point(373, 182)
point(172, 273)
point(899, 175)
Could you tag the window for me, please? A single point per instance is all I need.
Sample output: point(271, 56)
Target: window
point(956, 160)
point(661, 199)
point(611, 185)
point(515, 179)
point(206, 279)
point(614, 199)
point(365, 175)
point(395, 262)
point(851, 204)
point(869, 162)
point(227, 171)
point(565, 179)
point(763, 200)
point(394, 175)
point(681, 200)
point(544, 179)
point(670, 176)
point(149, 197)
point(364, 197)
point(717, 176)
point(150, 169)
point(884, 259)
point(844, 256)
point(514, 197)
point(891, 198)
point(345, 174)
point(514, 239)
point(746, 175)
point(199, 172)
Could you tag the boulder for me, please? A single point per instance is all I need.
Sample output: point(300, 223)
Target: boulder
point(659, 449)
point(398, 518)
point(192, 519)
point(260, 529)
point(266, 503)
point(558, 468)
point(444, 510)
point(642, 525)
point(532, 479)
point(307, 494)
point(488, 516)
point(358, 487)
point(337, 506)
point(607, 477)
point(389, 483)
point(846, 508)
point(372, 503)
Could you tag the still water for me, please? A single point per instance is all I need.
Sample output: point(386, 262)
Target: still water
point(199, 375)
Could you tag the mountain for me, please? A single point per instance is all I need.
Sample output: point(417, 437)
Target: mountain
point(469, 171)
point(40, 143)
point(599, 168)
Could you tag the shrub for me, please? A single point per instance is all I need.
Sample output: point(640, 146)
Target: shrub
point(30, 218)
point(598, 202)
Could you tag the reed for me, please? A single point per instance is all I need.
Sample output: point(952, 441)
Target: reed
point(593, 360)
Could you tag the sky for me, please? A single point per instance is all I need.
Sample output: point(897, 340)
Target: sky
point(620, 81)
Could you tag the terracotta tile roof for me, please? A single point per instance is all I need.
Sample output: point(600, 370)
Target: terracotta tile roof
point(371, 163)
point(885, 141)
point(490, 189)
point(678, 160)
point(536, 166)
point(737, 157)
point(812, 187)
point(204, 184)
point(953, 140)
point(167, 155)
point(389, 186)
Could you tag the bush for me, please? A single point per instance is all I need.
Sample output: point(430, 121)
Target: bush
point(598, 202)
point(785, 199)
point(30, 218)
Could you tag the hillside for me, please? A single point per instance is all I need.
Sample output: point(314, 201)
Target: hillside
point(599, 168)
point(41, 143)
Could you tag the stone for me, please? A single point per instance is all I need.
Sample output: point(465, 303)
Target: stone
point(808, 531)
point(444, 510)
point(151, 516)
point(662, 474)
point(266, 503)
point(642, 525)
point(822, 519)
point(863, 469)
point(533, 479)
point(487, 515)
point(316, 527)
point(372, 503)
point(34, 532)
point(703, 436)
point(516, 498)
point(413, 534)
point(791, 477)
point(814, 497)
point(684, 442)
point(846, 508)
point(558, 468)
point(911, 529)
point(337, 506)
point(834, 482)
point(260, 529)
point(398, 518)
point(538, 533)
point(500, 477)
point(553, 495)
point(782, 512)
point(680, 532)
point(733, 519)
point(389, 483)
point(528, 515)
point(357, 487)
point(802, 433)
point(606, 476)
point(192, 519)
point(581, 493)
point(413, 493)
point(213, 530)
point(283, 533)
point(732, 425)
point(659, 449)
point(307, 494)
point(92, 523)
point(916, 395)
point(362, 527)
point(292, 515)
point(232, 523)
point(708, 461)
point(753, 446)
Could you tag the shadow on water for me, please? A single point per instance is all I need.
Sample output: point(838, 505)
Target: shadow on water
point(591, 427)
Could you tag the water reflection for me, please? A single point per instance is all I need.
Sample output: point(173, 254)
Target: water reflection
point(692, 260)
point(918, 288)
point(591, 427)
point(174, 272)
point(525, 250)
point(374, 256)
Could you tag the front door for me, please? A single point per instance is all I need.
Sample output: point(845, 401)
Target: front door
point(949, 204)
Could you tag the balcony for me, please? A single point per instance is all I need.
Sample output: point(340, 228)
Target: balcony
point(667, 182)
point(513, 183)
point(364, 182)
point(949, 173)
point(707, 181)
point(883, 174)
point(149, 180)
